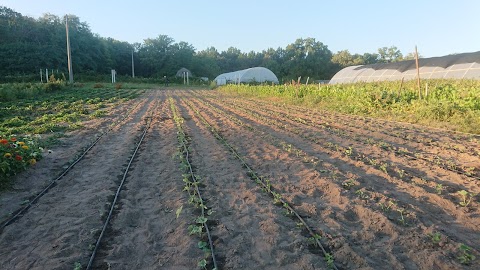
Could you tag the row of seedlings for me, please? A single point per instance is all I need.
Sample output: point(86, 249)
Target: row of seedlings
point(200, 227)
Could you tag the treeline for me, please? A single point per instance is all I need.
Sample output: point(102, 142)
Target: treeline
point(28, 45)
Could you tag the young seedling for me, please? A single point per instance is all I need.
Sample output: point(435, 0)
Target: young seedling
point(466, 198)
point(194, 229)
point(384, 167)
point(465, 257)
point(202, 264)
point(348, 184)
point(439, 188)
point(179, 210)
point(402, 217)
point(313, 240)
point(77, 266)
point(386, 207)
point(349, 151)
point(329, 260)
point(436, 238)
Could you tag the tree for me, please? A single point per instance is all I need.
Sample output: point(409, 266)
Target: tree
point(389, 55)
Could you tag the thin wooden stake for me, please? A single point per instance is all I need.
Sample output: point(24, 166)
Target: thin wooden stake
point(401, 86)
point(418, 74)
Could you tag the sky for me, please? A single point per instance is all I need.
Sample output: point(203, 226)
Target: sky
point(437, 28)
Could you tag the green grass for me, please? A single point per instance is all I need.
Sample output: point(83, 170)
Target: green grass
point(450, 104)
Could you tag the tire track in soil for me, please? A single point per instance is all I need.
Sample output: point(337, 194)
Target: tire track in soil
point(144, 228)
point(374, 229)
point(59, 228)
point(250, 231)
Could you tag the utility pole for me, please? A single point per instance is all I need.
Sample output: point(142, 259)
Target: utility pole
point(133, 67)
point(69, 54)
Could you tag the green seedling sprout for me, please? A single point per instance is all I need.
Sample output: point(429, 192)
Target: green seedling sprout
point(466, 198)
point(466, 257)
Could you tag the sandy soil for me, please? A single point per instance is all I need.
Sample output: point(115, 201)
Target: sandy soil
point(376, 207)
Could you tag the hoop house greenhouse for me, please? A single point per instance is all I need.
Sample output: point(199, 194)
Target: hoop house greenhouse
point(458, 66)
point(255, 74)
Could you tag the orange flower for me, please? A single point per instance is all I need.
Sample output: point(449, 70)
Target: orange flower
point(13, 139)
point(19, 158)
point(25, 147)
point(21, 143)
point(3, 141)
point(7, 155)
point(32, 161)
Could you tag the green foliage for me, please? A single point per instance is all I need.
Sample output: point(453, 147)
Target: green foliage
point(466, 256)
point(453, 104)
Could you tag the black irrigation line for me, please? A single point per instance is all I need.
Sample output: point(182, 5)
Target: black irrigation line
point(187, 159)
point(22, 210)
point(259, 180)
point(112, 207)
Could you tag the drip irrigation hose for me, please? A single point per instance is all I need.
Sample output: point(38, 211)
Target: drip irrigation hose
point(53, 182)
point(253, 174)
point(112, 207)
point(187, 158)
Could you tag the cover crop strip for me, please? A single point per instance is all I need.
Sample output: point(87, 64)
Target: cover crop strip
point(113, 204)
point(21, 211)
point(260, 181)
point(182, 139)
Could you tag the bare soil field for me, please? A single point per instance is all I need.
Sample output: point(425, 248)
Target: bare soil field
point(376, 194)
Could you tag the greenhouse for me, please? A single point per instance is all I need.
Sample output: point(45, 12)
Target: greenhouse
point(255, 74)
point(458, 66)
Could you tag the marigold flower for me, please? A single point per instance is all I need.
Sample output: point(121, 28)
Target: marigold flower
point(19, 158)
point(3, 141)
point(25, 147)
point(21, 143)
point(7, 155)
point(13, 139)
point(32, 161)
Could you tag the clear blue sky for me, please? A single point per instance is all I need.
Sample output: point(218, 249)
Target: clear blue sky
point(438, 27)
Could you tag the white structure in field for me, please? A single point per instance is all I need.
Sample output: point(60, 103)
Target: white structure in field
point(457, 66)
point(255, 74)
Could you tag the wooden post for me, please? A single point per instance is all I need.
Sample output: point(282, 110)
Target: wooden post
point(426, 90)
point(418, 74)
point(308, 78)
point(401, 86)
point(41, 75)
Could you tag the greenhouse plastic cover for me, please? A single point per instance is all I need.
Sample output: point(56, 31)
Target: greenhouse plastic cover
point(459, 66)
point(255, 74)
